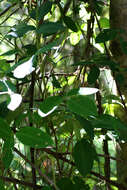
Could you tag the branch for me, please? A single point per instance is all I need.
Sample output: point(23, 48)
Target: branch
point(17, 181)
point(49, 181)
point(120, 186)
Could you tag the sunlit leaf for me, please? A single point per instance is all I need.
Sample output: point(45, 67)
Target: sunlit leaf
point(104, 22)
point(34, 137)
point(74, 38)
point(24, 69)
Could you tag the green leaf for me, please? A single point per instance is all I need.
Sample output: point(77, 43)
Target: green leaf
point(49, 103)
point(86, 125)
point(49, 28)
point(84, 155)
point(47, 47)
point(65, 183)
point(3, 109)
point(55, 82)
point(104, 23)
point(11, 85)
point(106, 35)
point(93, 75)
point(1, 185)
point(44, 9)
point(70, 23)
point(21, 29)
point(82, 63)
point(82, 105)
point(80, 184)
point(5, 131)
point(34, 137)
point(108, 122)
point(7, 157)
point(4, 66)
point(10, 52)
point(3, 87)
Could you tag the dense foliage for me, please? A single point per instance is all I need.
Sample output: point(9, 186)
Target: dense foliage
point(58, 96)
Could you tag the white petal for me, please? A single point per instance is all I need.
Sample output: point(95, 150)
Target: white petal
point(24, 69)
point(42, 114)
point(13, 34)
point(87, 91)
point(15, 101)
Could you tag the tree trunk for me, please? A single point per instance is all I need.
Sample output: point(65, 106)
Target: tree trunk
point(118, 20)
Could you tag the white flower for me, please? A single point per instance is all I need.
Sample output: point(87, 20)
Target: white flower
point(42, 114)
point(24, 69)
point(87, 91)
point(13, 34)
point(16, 100)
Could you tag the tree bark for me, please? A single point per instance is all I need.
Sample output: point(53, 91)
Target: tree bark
point(118, 20)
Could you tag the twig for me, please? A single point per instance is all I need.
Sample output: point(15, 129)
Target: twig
point(17, 181)
point(50, 182)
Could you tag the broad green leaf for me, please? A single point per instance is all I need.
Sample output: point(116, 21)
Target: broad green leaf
point(44, 9)
point(86, 124)
point(23, 28)
point(34, 137)
point(82, 105)
point(49, 28)
point(5, 131)
point(93, 75)
point(65, 183)
point(79, 184)
point(49, 103)
point(84, 155)
point(7, 157)
point(10, 52)
point(47, 47)
point(106, 35)
point(70, 23)
point(107, 122)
